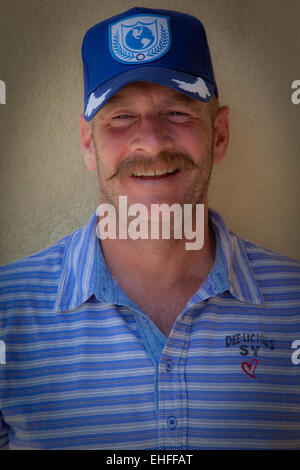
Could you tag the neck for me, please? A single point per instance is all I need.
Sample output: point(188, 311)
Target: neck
point(147, 262)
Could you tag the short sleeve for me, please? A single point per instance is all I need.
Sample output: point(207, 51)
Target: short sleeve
point(4, 430)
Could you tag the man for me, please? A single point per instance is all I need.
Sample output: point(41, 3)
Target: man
point(128, 342)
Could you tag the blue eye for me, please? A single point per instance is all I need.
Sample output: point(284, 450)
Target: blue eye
point(122, 116)
point(177, 117)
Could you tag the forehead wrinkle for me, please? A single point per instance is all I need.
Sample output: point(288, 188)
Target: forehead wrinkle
point(115, 100)
point(181, 98)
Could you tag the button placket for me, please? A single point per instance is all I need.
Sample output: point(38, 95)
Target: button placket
point(172, 387)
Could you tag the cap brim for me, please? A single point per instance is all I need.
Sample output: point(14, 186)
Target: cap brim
point(191, 85)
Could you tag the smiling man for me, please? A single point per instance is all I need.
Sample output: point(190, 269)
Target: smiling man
point(140, 343)
point(156, 145)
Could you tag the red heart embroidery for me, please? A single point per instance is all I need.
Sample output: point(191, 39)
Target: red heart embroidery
point(250, 368)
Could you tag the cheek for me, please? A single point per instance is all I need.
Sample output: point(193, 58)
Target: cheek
point(195, 142)
point(109, 150)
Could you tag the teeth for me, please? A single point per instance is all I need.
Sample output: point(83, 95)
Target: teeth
point(144, 173)
point(154, 172)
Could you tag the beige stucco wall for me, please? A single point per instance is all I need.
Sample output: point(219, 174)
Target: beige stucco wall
point(45, 189)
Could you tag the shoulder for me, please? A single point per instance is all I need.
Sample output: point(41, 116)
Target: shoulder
point(37, 276)
point(37, 273)
point(276, 275)
point(251, 261)
point(263, 258)
point(26, 280)
point(47, 258)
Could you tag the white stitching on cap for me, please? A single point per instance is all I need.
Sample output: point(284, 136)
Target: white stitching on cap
point(198, 87)
point(94, 102)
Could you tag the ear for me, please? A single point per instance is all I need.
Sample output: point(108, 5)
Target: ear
point(221, 135)
point(87, 144)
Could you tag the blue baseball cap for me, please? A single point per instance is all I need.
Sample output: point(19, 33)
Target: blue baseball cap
point(142, 44)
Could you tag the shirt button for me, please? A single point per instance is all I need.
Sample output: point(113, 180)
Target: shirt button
point(145, 319)
point(169, 364)
point(172, 422)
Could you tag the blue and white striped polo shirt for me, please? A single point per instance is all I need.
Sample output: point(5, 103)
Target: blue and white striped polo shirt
point(83, 367)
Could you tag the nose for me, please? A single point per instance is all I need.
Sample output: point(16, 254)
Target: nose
point(152, 137)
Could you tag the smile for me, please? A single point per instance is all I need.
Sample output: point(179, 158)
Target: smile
point(155, 173)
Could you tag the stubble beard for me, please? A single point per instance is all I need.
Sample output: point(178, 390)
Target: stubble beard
point(196, 194)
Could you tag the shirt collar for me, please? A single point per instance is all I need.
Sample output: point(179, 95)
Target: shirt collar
point(234, 263)
point(85, 274)
point(78, 276)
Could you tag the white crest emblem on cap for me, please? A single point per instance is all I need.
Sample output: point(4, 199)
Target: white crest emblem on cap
point(140, 39)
